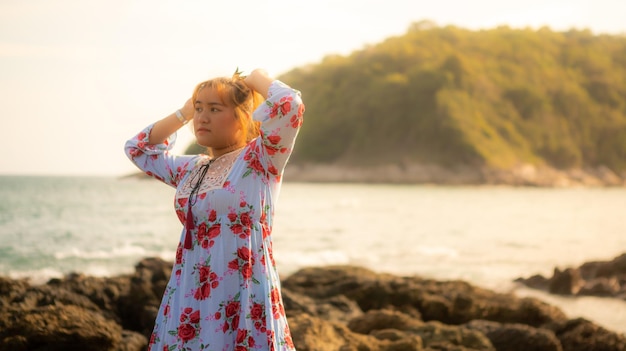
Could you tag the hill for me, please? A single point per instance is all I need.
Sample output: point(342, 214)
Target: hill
point(492, 102)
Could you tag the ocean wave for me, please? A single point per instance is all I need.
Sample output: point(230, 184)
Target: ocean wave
point(120, 251)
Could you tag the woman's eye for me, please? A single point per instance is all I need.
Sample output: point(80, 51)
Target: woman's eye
point(198, 109)
point(213, 109)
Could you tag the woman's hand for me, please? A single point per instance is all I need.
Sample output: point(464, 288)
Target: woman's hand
point(259, 81)
point(188, 109)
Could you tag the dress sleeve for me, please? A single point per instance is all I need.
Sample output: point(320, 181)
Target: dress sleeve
point(155, 159)
point(281, 117)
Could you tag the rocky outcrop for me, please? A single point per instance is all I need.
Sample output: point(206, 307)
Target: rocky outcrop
point(330, 308)
point(598, 278)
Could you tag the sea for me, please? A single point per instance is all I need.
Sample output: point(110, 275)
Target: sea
point(486, 235)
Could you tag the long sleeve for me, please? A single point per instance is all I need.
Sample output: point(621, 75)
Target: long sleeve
point(155, 160)
point(281, 116)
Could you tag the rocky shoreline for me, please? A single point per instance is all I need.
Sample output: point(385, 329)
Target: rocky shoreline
point(329, 308)
point(597, 278)
point(521, 175)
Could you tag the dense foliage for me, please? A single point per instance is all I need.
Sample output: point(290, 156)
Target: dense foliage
point(451, 96)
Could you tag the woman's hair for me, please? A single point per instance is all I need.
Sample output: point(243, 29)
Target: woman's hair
point(235, 93)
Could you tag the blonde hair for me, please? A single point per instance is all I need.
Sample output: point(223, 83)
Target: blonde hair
point(236, 94)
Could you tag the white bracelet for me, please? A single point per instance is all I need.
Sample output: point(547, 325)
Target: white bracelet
point(180, 117)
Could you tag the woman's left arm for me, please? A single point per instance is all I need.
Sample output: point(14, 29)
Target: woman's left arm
point(281, 117)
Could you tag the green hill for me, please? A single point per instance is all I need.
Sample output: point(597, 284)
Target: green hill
point(453, 97)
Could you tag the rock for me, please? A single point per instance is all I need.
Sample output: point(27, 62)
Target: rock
point(583, 335)
point(601, 287)
point(595, 278)
point(311, 333)
point(53, 328)
point(132, 341)
point(332, 308)
point(337, 308)
point(440, 336)
point(517, 337)
point(566, 282)
point(383, 319)
point(138, 309)
point(537, 281)
point(452, 302)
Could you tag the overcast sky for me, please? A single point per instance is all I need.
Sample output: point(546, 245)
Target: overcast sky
point(78, 78)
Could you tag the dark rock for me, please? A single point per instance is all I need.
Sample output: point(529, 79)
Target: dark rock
point(537, 281)
point(566, 282)
point(583, 335)
point(601, 287)
point(382, 319)
point(332, 308)
point(139, 308)
point(337, 308)
point(52, 328)
point(453, 302)
point(517, 337)
point(595, 278)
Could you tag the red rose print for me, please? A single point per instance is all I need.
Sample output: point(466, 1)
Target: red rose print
point(188, 310)
point(274, 111)
point(202, 231)
point(166, 310)
point(179, 254)
point(215, 231)
point(204, 273)
point(241, 348)
point(256, 165)
point(236, 228)
point(141, 136)
point(232, 216)
point(245, 219)
point(182, 202)
point(218, 315)
point(225, 327)
point(272, 170)
point(212, 216)
point(274, 139)
point(285, 107)
point(241, 336)
point(186, 332)
point(165, 348)
point(235, 322)
point(234, 264)
point(202, 292)
point(256, 312)
point(246, 270)
point(232, 308)
point(195, 317)
point(244, 253)
point(250, 341)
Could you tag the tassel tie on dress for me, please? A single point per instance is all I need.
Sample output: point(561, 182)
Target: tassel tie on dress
point(193, 197)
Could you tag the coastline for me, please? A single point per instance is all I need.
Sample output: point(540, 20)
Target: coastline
point(343, 307)
point(521, 175)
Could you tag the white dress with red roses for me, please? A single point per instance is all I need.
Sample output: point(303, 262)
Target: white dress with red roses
point(224, 292)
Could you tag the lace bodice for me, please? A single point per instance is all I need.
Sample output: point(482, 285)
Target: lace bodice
point(215, 177)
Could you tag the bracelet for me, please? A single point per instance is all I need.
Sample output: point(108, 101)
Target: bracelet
point(180, 117)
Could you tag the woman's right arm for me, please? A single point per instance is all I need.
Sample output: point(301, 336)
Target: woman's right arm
point(149, 150)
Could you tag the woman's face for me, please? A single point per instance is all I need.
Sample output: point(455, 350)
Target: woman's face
point(214, 123)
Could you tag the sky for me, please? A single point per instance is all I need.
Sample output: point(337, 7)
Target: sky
point(78, 78)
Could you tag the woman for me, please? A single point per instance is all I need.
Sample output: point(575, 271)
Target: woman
point(224, 292)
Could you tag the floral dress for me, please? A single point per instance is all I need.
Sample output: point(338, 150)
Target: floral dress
point(224, 291)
